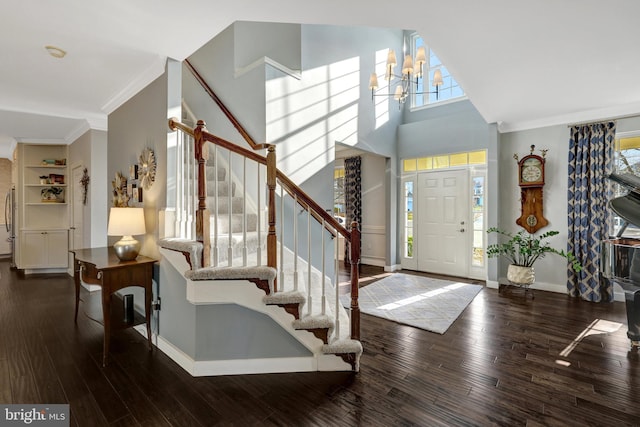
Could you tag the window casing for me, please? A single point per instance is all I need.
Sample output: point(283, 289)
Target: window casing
point(450, 90)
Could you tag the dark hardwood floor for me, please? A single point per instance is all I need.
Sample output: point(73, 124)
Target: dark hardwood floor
point(506, 361)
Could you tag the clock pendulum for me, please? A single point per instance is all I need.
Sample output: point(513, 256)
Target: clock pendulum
point(531, 181)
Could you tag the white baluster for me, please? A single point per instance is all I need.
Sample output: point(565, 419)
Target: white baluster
point(309, 297)
point(295, 242)
point(216, 255)
point(191, 188)
point(324, 302)
point(281, 287)
point(336, 281)
point(244, 212)
point(230, 211)
point(259, 211)
point(177, 225)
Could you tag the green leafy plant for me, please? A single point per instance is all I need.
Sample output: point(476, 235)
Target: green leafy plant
point(525, 249)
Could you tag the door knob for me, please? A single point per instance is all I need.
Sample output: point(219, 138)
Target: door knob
point(461, 230)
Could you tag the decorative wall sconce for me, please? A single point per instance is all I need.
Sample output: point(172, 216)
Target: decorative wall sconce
point(147, 168)
point(84, 182)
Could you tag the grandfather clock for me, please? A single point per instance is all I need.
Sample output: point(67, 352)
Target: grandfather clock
point(531, 181)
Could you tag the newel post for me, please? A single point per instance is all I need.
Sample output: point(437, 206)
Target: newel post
point(355, 279)
point(203, 217)
point(272, 240)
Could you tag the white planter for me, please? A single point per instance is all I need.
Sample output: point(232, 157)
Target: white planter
point(520, 275)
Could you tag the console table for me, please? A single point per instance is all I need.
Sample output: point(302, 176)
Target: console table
point(101, 266)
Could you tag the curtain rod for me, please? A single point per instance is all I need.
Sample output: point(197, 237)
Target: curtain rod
point(606, 119)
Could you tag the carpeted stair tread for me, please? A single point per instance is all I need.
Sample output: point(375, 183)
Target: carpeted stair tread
point(343, 346)
point(291, 297)
point(237, 203)
point(314, 322)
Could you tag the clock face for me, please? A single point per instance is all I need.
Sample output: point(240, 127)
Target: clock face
point(531, 170)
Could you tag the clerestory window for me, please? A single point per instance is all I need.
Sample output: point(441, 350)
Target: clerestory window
point(449, 90)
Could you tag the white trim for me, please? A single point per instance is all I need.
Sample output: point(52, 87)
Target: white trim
point(376, 261)
point(77, 132)
point(265, 60)
point(42, 141)
point(202, 368)
point(373, 229)
point(44, 270)
point(155, 70)
point(599, 115)
point(438, 103)
point(392, 268)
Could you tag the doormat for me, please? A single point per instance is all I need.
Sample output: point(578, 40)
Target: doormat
point(423, 302)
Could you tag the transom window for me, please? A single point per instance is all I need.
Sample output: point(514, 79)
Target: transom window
point(448, 91)
point(445, 161)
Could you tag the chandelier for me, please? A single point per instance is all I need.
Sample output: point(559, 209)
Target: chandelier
point(411, 75)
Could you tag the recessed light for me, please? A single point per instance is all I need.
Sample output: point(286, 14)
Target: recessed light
point(56, 52)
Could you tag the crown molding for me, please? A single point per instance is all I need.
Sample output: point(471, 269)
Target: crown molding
point(598, 115)
point(155, 70)
point(77, 132)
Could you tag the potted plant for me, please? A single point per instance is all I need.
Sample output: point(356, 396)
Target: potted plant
point(523, 250)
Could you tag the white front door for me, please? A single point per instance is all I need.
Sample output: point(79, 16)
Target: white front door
point(443, 213)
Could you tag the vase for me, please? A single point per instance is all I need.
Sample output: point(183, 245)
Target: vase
point(520, 275)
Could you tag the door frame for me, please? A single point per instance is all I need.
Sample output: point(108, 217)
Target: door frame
point(410, 263)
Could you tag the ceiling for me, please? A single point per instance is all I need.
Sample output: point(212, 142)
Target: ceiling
point(523, 64)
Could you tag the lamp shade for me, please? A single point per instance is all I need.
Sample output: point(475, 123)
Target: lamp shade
point(421, 56)
point(373, 81)
point(391, 59)
point(126, 222)
point(437, 78)
point(407, 65)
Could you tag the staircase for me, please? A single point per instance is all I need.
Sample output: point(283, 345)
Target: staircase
point(297, 298)
point(233, 260)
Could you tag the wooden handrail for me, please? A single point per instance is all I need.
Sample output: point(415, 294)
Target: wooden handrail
point(174, 124)
point(291, 188)
point(315, 208)
point(224, 109)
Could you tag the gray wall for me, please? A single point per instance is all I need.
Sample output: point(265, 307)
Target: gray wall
point(324, 101)
point(219, 331)
point(90, 150)
point(451, 128)
point(141, 123)
point(550, 271)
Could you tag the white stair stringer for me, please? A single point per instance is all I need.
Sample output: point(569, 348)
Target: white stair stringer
point(286, 290)
point(245, 294)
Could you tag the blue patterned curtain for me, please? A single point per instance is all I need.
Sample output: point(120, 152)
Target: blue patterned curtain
point(352, 196)
point(590, 162)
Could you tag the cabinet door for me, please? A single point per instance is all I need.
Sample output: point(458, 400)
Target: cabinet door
point(44, 249)
point(33, 249)
point(57, 248)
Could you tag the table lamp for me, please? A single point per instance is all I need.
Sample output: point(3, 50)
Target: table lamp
point(126, 222)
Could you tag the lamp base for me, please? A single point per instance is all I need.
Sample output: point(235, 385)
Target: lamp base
point(127, 248)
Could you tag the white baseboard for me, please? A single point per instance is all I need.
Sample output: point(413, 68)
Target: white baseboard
point(377, 262)
point(392, 268)
point(618, 293)
point(201, 368)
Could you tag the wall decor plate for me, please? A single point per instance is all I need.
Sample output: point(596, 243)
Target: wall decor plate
point(147, 168)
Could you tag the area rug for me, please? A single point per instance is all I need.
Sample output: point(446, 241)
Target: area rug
point(423, 302)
